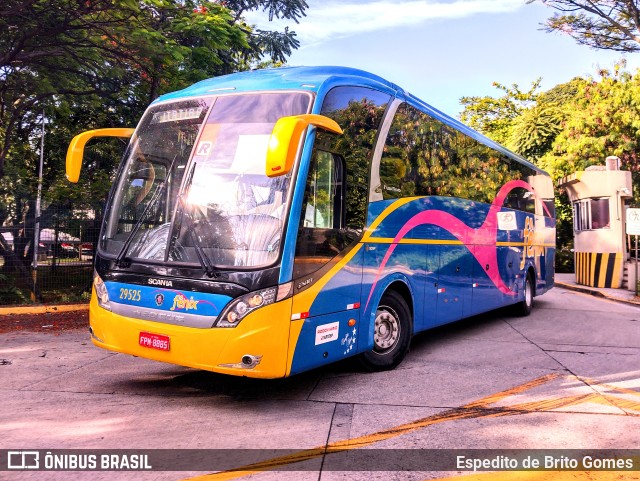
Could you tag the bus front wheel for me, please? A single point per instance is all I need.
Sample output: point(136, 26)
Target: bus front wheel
point(391, 335)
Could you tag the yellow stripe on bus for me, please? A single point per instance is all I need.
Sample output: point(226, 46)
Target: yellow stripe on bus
point(385, 213)
point(390, 240)
point(302, 301)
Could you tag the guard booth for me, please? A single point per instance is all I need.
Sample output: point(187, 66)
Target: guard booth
point(598, 196)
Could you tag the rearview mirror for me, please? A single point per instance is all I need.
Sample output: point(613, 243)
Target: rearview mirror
point(286, 138)
point(75, 152)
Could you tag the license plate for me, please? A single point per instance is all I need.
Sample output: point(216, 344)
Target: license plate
point(154, 341)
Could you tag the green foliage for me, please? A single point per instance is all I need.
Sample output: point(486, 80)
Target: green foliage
point(564, 233)
point(603, 120)
point(61, 285)
point(564, 261)
point(566, 129)
point(98, 63)
point(494, 116)
point(526, 122)
point(609, 25)
point(122, 53)
point(9, 293)
point(532, 133)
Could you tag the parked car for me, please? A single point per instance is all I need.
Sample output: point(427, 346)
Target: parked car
point(65, 250)
point(86, 251)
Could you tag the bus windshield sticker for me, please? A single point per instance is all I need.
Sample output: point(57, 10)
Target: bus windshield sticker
point(507, 221)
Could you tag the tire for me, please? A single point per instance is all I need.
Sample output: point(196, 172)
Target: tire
point(393, 330)
point(525, 306)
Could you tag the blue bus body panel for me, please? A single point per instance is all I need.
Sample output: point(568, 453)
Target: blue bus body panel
point(326, 335)
point(452, 270)
point(165, 304)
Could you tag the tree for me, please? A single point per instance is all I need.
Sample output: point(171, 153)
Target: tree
point(602, 120)
point(526, 122)
point(604, 24)
point(57, 48)
point(534, 131)
point(494, 116)
point(131, 50)
point(277, 45)
point(99, 63)
point(570, 127)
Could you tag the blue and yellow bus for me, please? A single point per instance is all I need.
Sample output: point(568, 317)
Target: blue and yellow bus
point(268, 222)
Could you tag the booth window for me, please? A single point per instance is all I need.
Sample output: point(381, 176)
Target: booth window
point(591, 214)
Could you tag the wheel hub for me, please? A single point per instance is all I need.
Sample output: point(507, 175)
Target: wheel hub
point(387, 330)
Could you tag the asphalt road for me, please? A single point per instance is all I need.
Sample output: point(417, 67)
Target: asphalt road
point(566, 377)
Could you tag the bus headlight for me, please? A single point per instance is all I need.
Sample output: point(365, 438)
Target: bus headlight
point(101, 292)
point(242, 306)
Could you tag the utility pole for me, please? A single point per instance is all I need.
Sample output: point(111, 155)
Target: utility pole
point(36, 230)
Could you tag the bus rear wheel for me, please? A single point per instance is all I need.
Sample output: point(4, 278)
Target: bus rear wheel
point(391, 335)
point(525, 306)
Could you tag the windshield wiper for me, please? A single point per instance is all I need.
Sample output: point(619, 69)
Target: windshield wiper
point(209, 268)
point(156, 195)
point(176, 225)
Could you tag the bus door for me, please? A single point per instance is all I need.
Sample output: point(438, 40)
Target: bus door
point(454, 282)
point(484, 293)
point(327, 272)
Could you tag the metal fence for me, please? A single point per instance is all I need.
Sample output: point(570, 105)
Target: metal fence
point(60, 269)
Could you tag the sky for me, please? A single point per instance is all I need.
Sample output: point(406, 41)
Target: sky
point(442, 50)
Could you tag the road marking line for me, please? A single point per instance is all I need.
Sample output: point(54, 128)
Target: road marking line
point(494, 398)
point(473, 410)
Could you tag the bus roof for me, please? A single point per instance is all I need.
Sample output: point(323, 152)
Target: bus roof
point(316, 79)
point(285, 78)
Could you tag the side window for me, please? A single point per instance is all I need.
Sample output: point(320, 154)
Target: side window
point(336, 197)
point(600, 214)
point(521, 199)
point(359, 111)
point(424, 156)
point(321, 232)
point(323, 196)
point(421, 157)
point(404, 155)
point(591, 214)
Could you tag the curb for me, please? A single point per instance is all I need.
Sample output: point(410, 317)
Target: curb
point(596, 293)
point(43, 309)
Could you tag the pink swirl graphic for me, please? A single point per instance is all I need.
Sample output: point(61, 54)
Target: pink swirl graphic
point(484, 237)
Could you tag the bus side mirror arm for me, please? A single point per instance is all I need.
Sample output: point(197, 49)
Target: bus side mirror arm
point(75, 152)
point(286, 138)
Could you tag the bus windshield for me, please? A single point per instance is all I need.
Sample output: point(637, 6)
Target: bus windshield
point(193, 187)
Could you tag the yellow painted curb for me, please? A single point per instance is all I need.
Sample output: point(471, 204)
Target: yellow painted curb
point(43, 309)
point(592, 291)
